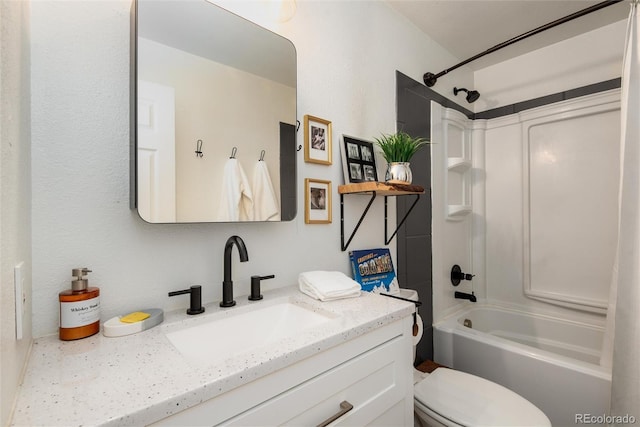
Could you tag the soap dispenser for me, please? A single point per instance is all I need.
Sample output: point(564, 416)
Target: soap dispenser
point(79, 308)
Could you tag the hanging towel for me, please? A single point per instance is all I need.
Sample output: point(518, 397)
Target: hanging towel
point(236, 201)
point(328, 285)
point(265, 201)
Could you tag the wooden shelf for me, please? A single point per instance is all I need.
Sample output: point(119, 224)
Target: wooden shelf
point(382, 188)
point(374, 188)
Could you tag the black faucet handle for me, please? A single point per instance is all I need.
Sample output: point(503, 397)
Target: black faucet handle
point(195, 306)
point(255, 286)
point(457, 275)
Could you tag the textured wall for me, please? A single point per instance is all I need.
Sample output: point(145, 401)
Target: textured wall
point(15, 192)
point(347, 56)
point(589, 58)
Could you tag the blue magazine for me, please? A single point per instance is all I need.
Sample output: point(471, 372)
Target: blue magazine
point(373, 269)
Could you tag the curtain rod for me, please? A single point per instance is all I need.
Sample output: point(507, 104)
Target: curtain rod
point(430, 79)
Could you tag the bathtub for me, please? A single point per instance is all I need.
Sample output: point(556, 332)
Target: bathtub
point(551, 362)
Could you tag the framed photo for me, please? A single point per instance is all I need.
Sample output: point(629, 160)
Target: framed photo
point(358, 160)
point(317, 140)
point(317, 201)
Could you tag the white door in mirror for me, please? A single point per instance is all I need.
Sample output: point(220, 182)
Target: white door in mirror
point(156, 152)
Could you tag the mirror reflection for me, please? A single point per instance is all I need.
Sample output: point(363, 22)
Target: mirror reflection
point(216, 108)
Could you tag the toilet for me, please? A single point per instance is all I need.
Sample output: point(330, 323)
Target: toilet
point(447, 397)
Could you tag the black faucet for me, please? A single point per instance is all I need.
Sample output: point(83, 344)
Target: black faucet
point(227, 284)
point(462, 295)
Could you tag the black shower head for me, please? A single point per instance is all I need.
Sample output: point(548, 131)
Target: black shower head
point(472, 95)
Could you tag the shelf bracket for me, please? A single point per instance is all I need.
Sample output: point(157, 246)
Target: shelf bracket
point(346, 245)
point(389, 239)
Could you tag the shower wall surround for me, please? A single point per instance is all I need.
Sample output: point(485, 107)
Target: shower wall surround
point(558, 75)
point(542, 232)
point(582, 65)
point(551, 203)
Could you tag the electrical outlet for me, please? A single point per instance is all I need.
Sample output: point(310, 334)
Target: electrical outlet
point(18, 280)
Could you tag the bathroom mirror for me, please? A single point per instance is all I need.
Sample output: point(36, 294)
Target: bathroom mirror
point(208, 85)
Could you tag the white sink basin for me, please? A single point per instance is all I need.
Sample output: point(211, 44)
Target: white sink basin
point(227, 334)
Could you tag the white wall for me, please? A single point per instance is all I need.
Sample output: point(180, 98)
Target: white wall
point(578, 61)
point(347, 56)
point(15, 194)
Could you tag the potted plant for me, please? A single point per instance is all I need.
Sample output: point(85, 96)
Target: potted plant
point(397, 150)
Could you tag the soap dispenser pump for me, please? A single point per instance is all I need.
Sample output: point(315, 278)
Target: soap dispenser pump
point(79, 308)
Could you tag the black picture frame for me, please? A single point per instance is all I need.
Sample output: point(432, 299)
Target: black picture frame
point(358, 160)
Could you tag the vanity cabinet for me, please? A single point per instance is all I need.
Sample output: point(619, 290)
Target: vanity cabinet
point(372, 373)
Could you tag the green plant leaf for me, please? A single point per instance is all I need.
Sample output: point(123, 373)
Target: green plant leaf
point(399, 146)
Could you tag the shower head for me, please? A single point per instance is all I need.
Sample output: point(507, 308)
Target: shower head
point(472, 95)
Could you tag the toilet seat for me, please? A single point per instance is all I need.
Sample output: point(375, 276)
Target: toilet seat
point(467, 400)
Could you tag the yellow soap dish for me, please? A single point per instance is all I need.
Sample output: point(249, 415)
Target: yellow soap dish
point(132, 323)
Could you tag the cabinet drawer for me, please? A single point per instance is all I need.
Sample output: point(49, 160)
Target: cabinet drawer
point(373, 382)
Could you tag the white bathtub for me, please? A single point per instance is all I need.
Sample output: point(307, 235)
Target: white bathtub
point(551, 362)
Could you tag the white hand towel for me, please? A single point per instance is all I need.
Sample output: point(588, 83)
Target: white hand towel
point(328, 285)
point(236, 202)
point(265, 201)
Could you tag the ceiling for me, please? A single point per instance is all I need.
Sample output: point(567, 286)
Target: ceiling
point(469, 27)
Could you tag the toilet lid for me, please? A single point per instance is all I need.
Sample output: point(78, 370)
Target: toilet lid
point(469, 400)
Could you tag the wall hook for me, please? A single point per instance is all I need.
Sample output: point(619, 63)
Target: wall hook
point(234, 150)
point(199, 148)
point(262, 153)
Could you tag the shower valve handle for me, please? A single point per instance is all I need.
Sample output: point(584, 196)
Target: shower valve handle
point(457, 275)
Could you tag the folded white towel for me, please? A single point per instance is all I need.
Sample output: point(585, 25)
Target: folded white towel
point(328, 285)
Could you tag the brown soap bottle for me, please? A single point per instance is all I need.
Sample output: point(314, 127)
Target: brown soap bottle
point(79, 308)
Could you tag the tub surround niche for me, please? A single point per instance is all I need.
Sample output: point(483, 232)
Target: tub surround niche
point(456, 214)
point(141, 379)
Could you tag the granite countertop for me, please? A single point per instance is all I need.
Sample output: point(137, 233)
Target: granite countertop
point(142, 378)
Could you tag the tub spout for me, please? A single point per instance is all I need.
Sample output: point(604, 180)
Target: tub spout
point(462, 295)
